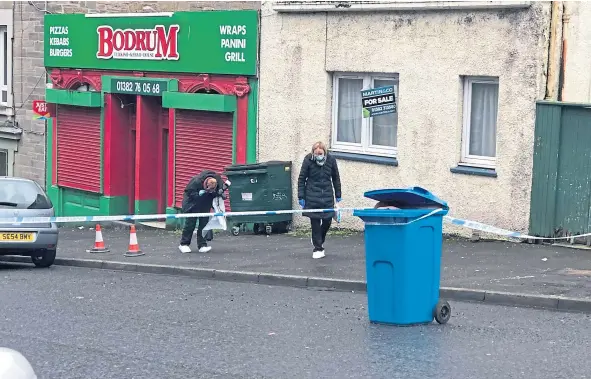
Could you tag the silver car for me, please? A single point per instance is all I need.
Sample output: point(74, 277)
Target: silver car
point(25, 198)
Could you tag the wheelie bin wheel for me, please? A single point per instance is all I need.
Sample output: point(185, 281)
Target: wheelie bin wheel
point(283, 227)
point(235, 230)
point(442, 312)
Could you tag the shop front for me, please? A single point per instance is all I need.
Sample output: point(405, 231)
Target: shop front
point(141, 103)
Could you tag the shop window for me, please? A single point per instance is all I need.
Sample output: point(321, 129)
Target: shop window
point(3, 163)
point(79, 148)
point(479, 137)
point(85, 87)
point(351, 132)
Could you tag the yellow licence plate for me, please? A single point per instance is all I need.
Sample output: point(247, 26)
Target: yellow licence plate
point(17, 237)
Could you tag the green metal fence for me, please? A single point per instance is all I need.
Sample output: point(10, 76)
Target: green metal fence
point(561, 184)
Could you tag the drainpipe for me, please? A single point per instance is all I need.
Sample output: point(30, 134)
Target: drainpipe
point(12, 78)
point(553, 51)
point(565, 21)
point(46, 123)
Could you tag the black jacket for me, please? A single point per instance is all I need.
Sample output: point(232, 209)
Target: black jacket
point(195, 203)
point(315, 185)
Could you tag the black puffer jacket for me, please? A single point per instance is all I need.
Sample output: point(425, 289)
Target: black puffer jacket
point(192, 201)
point(315, 185)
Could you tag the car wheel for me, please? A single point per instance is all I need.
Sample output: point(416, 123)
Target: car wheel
point(44, 258)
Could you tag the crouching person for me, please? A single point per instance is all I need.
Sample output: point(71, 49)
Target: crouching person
point(198, 198)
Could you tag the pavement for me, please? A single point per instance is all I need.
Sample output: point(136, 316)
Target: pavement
point(499, 272)
point(74, 323)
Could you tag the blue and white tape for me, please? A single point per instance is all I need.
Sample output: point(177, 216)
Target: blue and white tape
point(474, 225)
point(78, 219)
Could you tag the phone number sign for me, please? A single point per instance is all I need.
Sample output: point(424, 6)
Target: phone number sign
point(138, 87)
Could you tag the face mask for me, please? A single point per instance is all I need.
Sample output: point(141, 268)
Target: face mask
point(319, 158)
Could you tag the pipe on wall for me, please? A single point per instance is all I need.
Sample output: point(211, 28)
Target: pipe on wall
point(566, 12)
point(552, 80)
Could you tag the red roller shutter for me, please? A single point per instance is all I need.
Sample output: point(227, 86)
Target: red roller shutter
point(79, 148)
point(203, 141)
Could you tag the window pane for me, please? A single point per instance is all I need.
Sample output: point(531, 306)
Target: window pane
point(483, 119)
point(349, 112)
point(21, 194)
point(385, 127)
point(5, 36)
point(3, 163)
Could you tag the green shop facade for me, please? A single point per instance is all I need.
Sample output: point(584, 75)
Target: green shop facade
point(142, 103)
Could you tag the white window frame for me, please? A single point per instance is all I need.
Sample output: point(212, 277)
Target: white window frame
point(467, 159)
point(6, 26)
point(365, 147)
point(9, 144)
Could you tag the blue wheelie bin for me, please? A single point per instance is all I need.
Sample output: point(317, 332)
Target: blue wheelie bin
point(403, 238)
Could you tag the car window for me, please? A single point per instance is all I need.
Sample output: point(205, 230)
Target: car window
point(21, 194)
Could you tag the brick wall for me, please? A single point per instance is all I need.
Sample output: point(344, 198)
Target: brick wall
point(28, 84)
point(28, 70)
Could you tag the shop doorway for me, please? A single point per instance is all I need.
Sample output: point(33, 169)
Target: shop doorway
point(128, 103)
point(150, 176)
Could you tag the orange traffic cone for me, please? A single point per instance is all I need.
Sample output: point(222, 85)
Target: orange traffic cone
point(134, 247)
point(99, 244)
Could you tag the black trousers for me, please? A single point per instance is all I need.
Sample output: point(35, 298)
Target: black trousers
point(200, 206)
point(320, 227)
point(189, 228)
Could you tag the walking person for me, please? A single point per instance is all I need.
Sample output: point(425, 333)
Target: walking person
point(198, 198)
point(318, 185)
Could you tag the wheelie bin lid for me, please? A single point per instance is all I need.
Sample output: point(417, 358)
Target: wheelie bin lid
point(256, 166)
point(405, 198)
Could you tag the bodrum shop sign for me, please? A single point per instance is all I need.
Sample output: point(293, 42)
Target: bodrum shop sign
point(216, 42)
point(155, 44)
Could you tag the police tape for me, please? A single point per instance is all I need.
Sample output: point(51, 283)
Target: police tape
point(78, 219)
point(469, 224)
point(474, 225)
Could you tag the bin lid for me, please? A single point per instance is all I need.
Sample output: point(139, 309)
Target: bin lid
point(256, 166)
point(413, 197)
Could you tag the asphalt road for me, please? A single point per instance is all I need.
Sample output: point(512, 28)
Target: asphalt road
point(493, 266)
point(75, 323)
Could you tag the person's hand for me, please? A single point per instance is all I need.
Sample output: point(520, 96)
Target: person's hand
point(302, 202)
point(339, 199)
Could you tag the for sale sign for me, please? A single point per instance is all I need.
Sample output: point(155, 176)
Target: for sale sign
point(378, 101)
point(40, 110)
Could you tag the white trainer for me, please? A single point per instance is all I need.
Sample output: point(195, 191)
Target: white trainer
point(185, 249)
point(318, 254)
point(205, 249)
